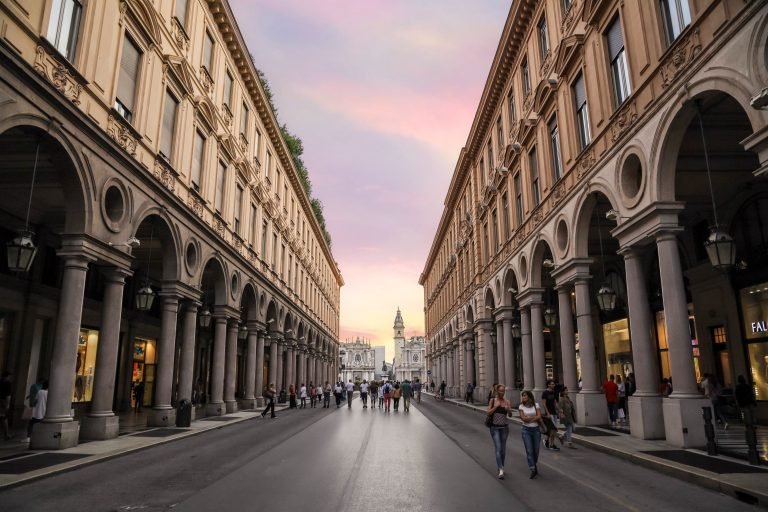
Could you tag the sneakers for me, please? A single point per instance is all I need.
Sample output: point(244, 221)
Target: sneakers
point(725, 427)
point(25, 440)
point(570, 445)
point(555, 448)
point(534, 473)
point(501, 474)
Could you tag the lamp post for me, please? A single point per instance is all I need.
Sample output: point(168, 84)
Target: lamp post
point(550, 317)
point(204, 317)
point(21, 250)
point(606, 296)
point(146, 296)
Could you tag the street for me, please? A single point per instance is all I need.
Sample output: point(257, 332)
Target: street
point(437, 457)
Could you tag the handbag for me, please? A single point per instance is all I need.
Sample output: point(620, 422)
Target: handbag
point(489, 420)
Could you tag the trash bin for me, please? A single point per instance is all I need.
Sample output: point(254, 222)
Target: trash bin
point(283, 397)
point(184, 414)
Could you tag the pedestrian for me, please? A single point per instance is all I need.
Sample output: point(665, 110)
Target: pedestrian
point(138, 394)
point(327, 395)
point(303, 395)
point(312, 394)
point(499, 409)
point(417, 390)
point(387, 395)
point(337, 391)
point(530, 415)
point(621, 412)
point(712, 390)
point(549, 400)
point(38, 409)
point(442, 390)
point(381, 395)
point(745, 396)
point(665, 388)
point(373, 390)
point(364, 393)
point(406, 392)
point(396, 394)
point(468, 391)
point(350, 393)
point(318, 393)
point(567, 415)
point(291, 396)
point(6, 389)
point(432, 386)
point(269, 394)
point(611, 391)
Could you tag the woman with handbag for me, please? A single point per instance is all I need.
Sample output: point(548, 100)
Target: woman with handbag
point(496, 421)
point(530, 414)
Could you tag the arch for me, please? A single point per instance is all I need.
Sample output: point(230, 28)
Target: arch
point(542, 250)
point(510, 287)
point(271, 318)
point(583, 217)
point(163, 230)
point(213, 281)
point(489, 302)
point(470, 316)
point(678, 116)
point(288, 325)
point(249, 303)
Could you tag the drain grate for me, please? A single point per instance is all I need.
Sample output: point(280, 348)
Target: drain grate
point(39, 461)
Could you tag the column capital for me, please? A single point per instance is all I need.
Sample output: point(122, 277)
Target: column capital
point(192, 305)
point(116, 274)
point(571, 270)
point(530, 296)
point(645, 224)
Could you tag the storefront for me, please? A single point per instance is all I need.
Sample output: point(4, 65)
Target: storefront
point(663, 345)
point(754, 307)
point(87, 345)
point(618, 348)
point(143, 371)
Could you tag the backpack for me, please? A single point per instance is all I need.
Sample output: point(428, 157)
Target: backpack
point(387, 388)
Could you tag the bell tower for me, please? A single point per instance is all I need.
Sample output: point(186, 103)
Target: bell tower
point(399, 329)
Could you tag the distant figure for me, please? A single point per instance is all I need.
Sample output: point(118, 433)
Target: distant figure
point(327, 395)
point(468, 391)
point(396, 394)
point(6, 388)
point(417, 389)
point(712, 390)
point(567, 415)
point(611, 391)
point(745, 395)
point(432, 386)
point(269, 394)
point(138, 395)
point(364, 393)
point(350, 393)
point(442, 390)
point(387, 390)
point(303, 395)
point(338, 391)
point(373, 390)
point(291, 396)
point(312, 395)
point(38, 409)
point(406, 391)
point(381, 395)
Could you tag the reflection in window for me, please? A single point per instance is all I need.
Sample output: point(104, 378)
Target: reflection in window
point(677, 16)
point(64, 26)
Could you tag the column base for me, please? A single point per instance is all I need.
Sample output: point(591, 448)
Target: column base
point(55, 436)
point(215, 409)
point(513, 396)
point(646, 418)
point(537, 394)
point(248, 403)
point(100, 428)
point(591, 409)
point(161, 418)
point(684, 423)
point(260, 402)
point(231, 406)
point(480, 394)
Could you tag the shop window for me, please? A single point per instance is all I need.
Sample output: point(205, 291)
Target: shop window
point(87, 345)
point(143, 377)
point(758, 361)
point(618, 349)
point(663, 345)
point(722, 356)
point(754, 305)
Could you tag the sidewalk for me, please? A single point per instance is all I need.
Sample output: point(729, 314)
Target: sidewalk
point(727, 475)
point(18, 464)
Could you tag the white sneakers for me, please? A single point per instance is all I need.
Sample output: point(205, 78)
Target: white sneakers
point(501, 474)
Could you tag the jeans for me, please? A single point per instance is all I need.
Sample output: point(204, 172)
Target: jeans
point(270, 407)
point(532, 443)
point(364, 398)
point(716, 412)
point(612, 411)
point(350, 394)
point(568, 432)
point(406, 403)
point(499, 436)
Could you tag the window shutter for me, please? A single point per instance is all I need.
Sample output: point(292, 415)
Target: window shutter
point(129, 72)
point(579, 91)
point(169, 121)
point(615, 38)
point(197, 158)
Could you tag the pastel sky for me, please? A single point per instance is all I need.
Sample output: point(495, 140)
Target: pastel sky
point(382, 93)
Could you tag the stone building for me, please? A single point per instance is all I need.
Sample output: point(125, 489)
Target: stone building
point(174, 244)
point(607, 213)
point(358, 361)
point(410, 354)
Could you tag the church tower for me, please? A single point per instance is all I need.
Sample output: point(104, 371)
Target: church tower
point(399, 329)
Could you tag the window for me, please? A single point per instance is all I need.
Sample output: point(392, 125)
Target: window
point(566, 5)
point(526, 77)
point(282, 259)
point(257, 142)
point(499, 135)
point(208, 52)
point(274, 249)
point(228, 81)
point(181, 11)
point(218, 199)
point(254, 224)
point(554, 142)
point(582, 114)
point(197, 159)
point(290, 269)
point(495, 233)
point(126, 82)
point(677, 16)
point(511, 108)
point(269, 165)
point(170, 107)
point(481, 170)
point(264, 229)
point(489, 150)
point(543, 38)
point(244, 122)
point(505, 213)
point(238, 207)
point(486, 245)
point(618, 58)
point(64, 26)
point(534, 167)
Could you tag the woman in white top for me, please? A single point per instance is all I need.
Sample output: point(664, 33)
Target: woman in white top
point(38, 410)
point(530, 415)
point(303, 395)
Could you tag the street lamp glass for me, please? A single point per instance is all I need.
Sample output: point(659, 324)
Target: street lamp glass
point(550, 317)
point(21, 252)
point(144, 298)
point(516, 331)
point(204, 318)
point(606, 298)
point(721, 249)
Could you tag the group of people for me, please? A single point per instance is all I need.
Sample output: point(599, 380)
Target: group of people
point(617, 392)
point(35, 407)
point(384, 393)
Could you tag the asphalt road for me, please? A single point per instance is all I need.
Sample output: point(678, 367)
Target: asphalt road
point(438, 457)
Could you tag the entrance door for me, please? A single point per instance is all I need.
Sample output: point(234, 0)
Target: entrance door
point(144, 368)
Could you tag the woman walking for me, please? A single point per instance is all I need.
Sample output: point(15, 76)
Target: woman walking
point(567, 415)
point(498, 410)
point(530, 414)
point(396, 395)
point(291, 396)
point(303, 395)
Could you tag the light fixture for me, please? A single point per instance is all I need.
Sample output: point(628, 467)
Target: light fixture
point(548, 263)
point(760, 101)
point(550, 317)
point(516, 146)
point(270, 320)
point(516, 331)
point(511, 290)
point(21, 250)
point(552, 79)
point(493, 337)
point(145, 296)
point(289, 331)
point(204, 317)
point(606, 296)
point(720, 246)
point(243, 332)
point(488, 307)
point(614, 215)
point(503, 169)
point(131, 242)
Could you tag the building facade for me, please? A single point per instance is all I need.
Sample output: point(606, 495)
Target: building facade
point(606, 215)
point(410, 354)
point(358, 361)
point(175, 245)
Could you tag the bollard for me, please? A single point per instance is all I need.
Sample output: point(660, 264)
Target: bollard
point(709, 431)
point(749, 430)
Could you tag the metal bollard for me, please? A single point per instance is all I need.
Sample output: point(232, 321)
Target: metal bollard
point(749, 430)
point(709, 431)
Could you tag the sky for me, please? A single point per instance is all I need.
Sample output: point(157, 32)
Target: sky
point(382, 94)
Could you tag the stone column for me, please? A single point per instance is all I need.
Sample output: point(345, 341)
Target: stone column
point(509, 363)
point(58, 430)
point(646, 419)
point(469, 365)
point(290, 365)
point(162, 413)
point(537, 346)
point(273, 357)
point(499, 352)
point(457, 353)
point(101, 422)
point(567, 339)
point(302, 355)
point(682, 410)
point(449, 369)
point(525, 331)
point(187, 363)
point(249, 402)
point(259, 390)
point(591, 408)
point(488, 362)
point(230, 367)
point(216, 406)
point(280, 366)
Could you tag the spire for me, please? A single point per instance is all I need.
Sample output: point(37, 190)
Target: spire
point(399, 327)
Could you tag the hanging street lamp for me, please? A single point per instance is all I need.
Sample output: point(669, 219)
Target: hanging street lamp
point(204, 318)
point(550, 317)
point(21, 250)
